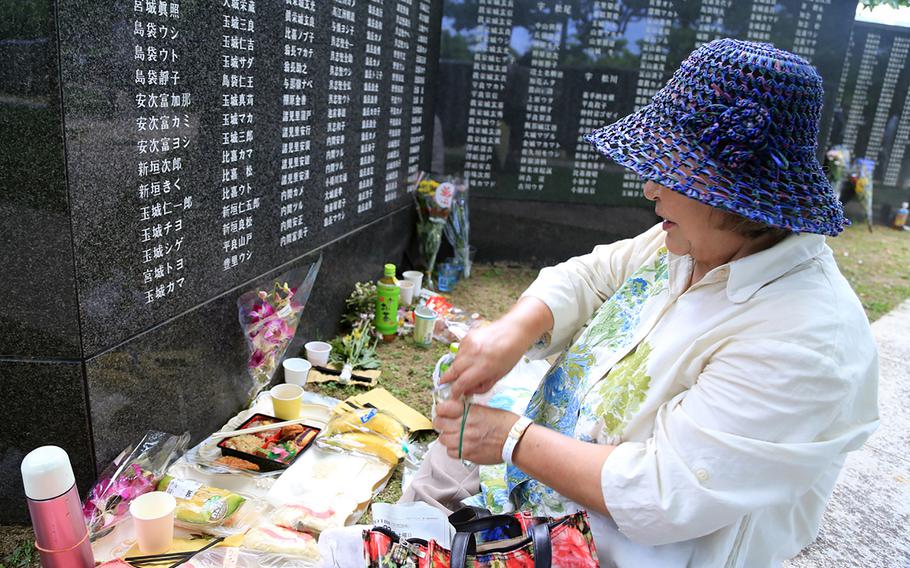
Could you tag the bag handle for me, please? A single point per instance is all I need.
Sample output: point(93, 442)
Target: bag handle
point(511, 525)
point(467, 513)
point(465, 544)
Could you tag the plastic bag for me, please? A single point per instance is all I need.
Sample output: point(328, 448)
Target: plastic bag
point(345, 481)
point(219, 557)
point(212, 510)
point(269, 321)
point(367, 431)
point(136, 471)
point(316, 512)
point(458, 226)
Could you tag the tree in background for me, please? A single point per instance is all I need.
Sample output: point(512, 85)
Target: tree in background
point(872, 4)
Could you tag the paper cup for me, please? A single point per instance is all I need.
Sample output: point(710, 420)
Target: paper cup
point(416, 277)
point(286, 401)
point(296, 371)
point(424, 322)
point(406, 288)
point(153, 519)
point(317, 353)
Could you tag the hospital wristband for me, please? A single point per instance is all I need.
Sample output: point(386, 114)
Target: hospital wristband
point(515, 434)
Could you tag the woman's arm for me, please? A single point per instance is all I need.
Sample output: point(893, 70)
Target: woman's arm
point(558, 303)
point(490, 352)
point(569, 466)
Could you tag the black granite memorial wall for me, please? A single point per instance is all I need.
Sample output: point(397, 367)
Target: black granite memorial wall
point(160, 157)
point(872, 109)
point(521, 81)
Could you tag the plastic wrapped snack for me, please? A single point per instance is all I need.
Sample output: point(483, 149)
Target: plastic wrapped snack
point(316, 512)
point(282, 540)
point(368, 420)
point(211, 509)
point(367, 431)
point(134, 472)
point(371, 445)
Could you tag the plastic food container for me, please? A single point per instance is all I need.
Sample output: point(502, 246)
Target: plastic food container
point(275, 449)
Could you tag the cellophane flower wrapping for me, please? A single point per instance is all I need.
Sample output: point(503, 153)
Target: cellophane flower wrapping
point(836, 166)
point(269, 319)
point(136, 471)
point(432, 211)
point(458, 226)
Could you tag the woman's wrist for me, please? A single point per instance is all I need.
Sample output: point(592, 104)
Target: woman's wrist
point(531, 318)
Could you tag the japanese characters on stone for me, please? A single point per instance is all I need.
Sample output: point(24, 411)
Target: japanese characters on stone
point(545, 73)
point(240, 194)
point(163, 132)
point(296, 117)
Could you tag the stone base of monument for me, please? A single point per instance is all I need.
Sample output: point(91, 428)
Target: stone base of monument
point(186, 374)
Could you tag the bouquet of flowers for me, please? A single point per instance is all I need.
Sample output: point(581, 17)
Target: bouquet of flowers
point(357, 350)
point(360, 305)
point(458, 225)
point(434, 202)
point(862, 185)
point(136, 471)
point(836, 167)
point(269, 320)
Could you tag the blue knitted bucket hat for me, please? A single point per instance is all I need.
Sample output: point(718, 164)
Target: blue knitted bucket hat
point(736, 128)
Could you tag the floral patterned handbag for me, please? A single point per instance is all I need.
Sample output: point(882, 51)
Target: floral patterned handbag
point(522, 541)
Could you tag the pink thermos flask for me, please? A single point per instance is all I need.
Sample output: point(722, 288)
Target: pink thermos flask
point(61, 536)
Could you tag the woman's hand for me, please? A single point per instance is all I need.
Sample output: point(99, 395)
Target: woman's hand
point(486, 354)
point(485, 431)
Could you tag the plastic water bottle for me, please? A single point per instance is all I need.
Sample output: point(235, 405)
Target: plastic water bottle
point(387, 292)
point(441, 391)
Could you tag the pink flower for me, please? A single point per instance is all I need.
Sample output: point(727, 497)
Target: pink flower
point(261, 312)
point(256, 359)
point(275, 332)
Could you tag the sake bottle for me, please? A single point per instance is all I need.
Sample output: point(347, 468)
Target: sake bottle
point(387, 291)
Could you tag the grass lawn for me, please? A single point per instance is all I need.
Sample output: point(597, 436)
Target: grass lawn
point(876, 264)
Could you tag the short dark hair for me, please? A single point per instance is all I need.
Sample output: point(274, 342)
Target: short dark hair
point(749, 228)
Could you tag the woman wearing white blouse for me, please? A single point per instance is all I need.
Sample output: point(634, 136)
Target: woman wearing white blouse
point(715, 370)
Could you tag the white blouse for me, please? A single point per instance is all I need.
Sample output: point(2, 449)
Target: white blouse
point(758, 380)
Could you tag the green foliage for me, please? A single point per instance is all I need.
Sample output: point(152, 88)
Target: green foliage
point(872, 4)
point(357, 349)
point(23, 556)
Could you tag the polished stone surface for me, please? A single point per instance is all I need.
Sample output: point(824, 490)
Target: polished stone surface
point(190, 373)
point(43, 404)
point(38, 313)
point(115, 143)
point(540, 234)
point(515, 100)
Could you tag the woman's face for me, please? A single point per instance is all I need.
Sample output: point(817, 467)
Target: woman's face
point(691, 226)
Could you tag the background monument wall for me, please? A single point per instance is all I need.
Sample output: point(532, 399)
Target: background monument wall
point(521, 81)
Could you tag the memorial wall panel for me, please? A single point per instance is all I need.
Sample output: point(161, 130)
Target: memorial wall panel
point(871, 116)
point(521, 81)
point(210, 142)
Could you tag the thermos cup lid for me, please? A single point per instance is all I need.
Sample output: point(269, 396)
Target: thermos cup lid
point(47, 473)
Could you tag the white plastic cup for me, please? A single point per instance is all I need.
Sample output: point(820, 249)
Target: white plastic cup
point(296, 371)
point(317, 353)
point(153, 519)
point(406, 288)
point(416, 277)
